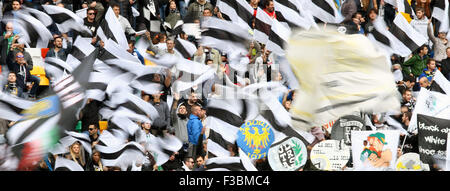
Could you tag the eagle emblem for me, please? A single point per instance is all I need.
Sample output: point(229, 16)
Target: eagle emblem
point(255, 137)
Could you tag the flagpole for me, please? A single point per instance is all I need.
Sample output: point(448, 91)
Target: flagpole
point(403, 144)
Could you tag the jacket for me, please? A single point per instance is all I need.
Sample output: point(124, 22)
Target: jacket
point(194, 127)
point(196, 9)
point(416, 63)
point(62, 54)
point(180, 126)
point(438, 46)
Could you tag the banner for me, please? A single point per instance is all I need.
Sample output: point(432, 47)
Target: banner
point(255, 138)
point(288, 155)
point(343, 126)
point(432, 133)
point(432, 104)
point(411, 162)
point(374, 150)
point(330, 155)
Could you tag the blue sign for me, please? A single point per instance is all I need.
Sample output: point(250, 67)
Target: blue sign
point(255, 138)
point(45, 107)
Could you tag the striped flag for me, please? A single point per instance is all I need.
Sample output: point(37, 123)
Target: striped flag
point(290, 13)
point(238, 11)
point(81, 48)
point(39, 15)
point(400, 39)
point(185, 48)
point(263, 25)
point(441, 15)
point(225, 164)
point(224, 35)
point(110, 28)
point(325, 10)
point(35, 133)
point(279, 35)
point(66, 20)
point(57, 68)
point(11, 107)
point(62, 164)
point(122, 155)
point(32, 31)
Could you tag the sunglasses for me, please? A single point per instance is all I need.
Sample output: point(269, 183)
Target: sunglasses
point(90, 129)
point(20, 56)
point(91, 13)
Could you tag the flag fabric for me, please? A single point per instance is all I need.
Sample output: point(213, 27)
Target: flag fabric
point(238, 11)
point(66, 20)
point(45, 19)
point(263, 24)
point(11, 107)
point(122, 155)
point(357, 78)
point(279, 35)
point(32, 31)
point(35, 133)
point(185, 48)
point(110, 28)
point(440, 15)
point(432, 134)
point(400, 39)
point(289, 9)
point(56, 68)
point(62, 164)
point(325, 10)
point(405, 9)
point(224, 35)
point(81, 48)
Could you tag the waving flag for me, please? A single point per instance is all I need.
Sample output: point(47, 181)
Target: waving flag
point(66, 20)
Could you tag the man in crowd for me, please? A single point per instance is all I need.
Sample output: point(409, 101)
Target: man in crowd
point(194, 127)
point(196, 8)
point(445, 65)
point(415, 65)
point(126, 26)
point(11, 87)
point(58, 51)
point(24, 78)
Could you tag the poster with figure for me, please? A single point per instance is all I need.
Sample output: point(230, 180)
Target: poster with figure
point(330, 155)
point(432, 135)
point(374, 150)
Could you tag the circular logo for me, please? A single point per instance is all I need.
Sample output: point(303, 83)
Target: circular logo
point(288, 155)
point(342, 29)
point(255, 138)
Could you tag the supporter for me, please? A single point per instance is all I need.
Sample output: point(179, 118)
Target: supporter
point(194, 128)
point(91, 22)
point(420, 23)
point(199, 163)
point(188, 163)
point(430, 85)
point(160, 43)
point(162, 108)
point(24, 78)
point(90, 114)
point(424, 4)
point(198, 6)
point(372, 15)
point(415, 65)
point(172, 17)
point(397, 71)
point(170, 47)
point(269, 8)
point(11, 87)
point(95, 163)
point(76, 153)
point(10, 36)
point(255, 51)
point(445, 64)
point(207, 12)
point(254, 4)
point(124, 21)
point(262, 67)
point(407, 83)
point(94, 134)
point(205, 53)
point(133, 51)
point(58, 51)
point(430, 70)
point(100, 10)
point(179, 117)
point(165, 81)
point(408, 100)
point(173, 164)
point(124, 8)
point(440, 44)
point(192, 100)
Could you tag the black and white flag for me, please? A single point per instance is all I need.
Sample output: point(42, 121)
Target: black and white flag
point(63, 164)
point(123, 155)
point(11, 107)
point(325, 10)
point(185, 48)
point(110, 28)
point(290, 11)
point(237, 11)
point(66, 20)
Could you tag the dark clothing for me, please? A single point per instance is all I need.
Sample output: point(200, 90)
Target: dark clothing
point(445, 68)
point(93, 26)
point(90, 114)
point(62, 53)
point(174, 165)
point(13, 89)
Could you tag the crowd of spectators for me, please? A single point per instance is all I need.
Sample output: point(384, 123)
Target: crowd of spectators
point(185, 117)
